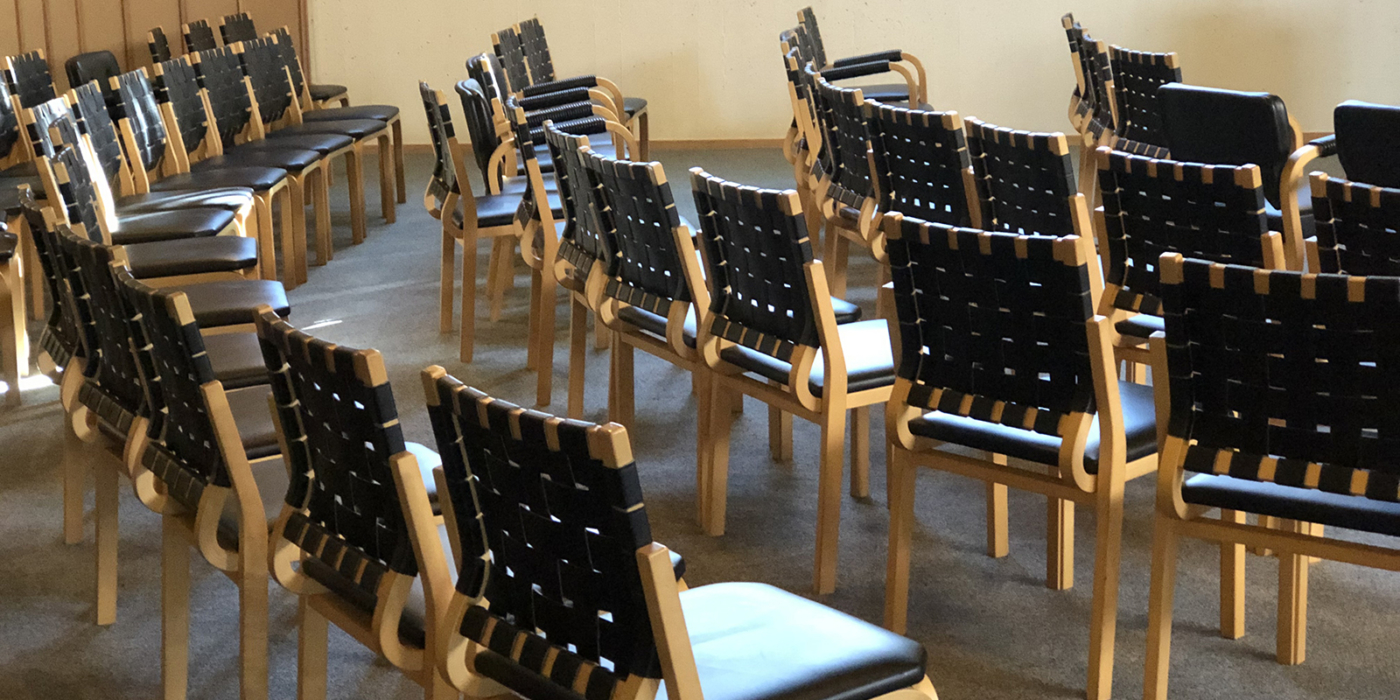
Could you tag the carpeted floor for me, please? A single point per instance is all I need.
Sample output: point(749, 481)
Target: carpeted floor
point(991, 628)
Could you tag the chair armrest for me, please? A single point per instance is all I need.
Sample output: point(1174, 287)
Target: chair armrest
point(582, 81)
point(858, 70)
point(560, 113)
point(892, 55)
point(554, 99)
point(1326, 146)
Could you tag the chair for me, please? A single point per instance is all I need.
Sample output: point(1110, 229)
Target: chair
point(545, 510)
point(921, 164)
point(29, 79)
point(1356, 228)
point(1279, 407)
point(845, 192)
point(1151, 206)
point(1093, 106)
point(786, 351)
point(237, 28)
point(802, 147)
point(348, 542)
point(915, 89)
point(159, 45)
point(1366, 143)
point(100, 66)
point(1001, 353)
point(1209, 125)
point(1136, 77)
point(211, 467)
point(199, 36)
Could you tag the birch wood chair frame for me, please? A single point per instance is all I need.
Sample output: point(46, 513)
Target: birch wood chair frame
point(12, 321)
point(968, 376)
point(786, 351)
point(357, 531)
point(1286, 436)
point(507, 629)
point(906, 64)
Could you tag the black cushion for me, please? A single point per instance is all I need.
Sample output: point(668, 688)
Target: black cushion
point(229, 198)
point(9, 242)
point(271, 478)
point(865, 344)
point(96, 65)
point(656, 324)
point(1141, 326)
point(1306, 505)
point(321, 93)
point(756, 642)
point(233, 302)
point(632, 105)
point(192, 256)
point(886, 92)
point(171, 225)
point(1228, 127)
point(257, 179)
point(290, 159)
point(492, 210)
point(1139, 426)
point(381, 113)
point(1368, 142)
point(516, 185)
point(322, 143)
point(237, 359)
point(255, 426)
point(355, 128)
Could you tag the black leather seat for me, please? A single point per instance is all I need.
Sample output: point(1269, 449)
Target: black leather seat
point(100, 66)
point(190, 256)
point(1141, 326)
point(256, 428)
point(229, 198)
point(321, 93)
point(865, 345)
point(171, 225)
point(237, 359)
point(1306, 505)
point(287, 159)
point(258, 179)
point(1368, 142)
point(846, 312)
point(232, 303)
point(1139, 426)
point(381, 113)
point(322, 143)
point(756, 642)
point(354, 128)
point(632, 105)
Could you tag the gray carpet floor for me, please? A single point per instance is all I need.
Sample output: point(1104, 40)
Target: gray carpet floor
point(991, 627)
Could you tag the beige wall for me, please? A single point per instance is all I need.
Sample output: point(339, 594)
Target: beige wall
point(711, 69)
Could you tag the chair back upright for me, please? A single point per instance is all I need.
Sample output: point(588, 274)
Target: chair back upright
point(100, 66)
point(549, 517)
point(842, 119)
point(236, 28)
point(220, 73)
point(59, 337)
point(810, 34)
point(1229, 127)
point(29, 79)
point(199, 36)
point(481, 127)
point(1136, 77)
point(1358, 228)
point(265, 69)
point(1368, 142)
point(1025, 180)
point(96, 126)
point(922, 165)
point(178, 90)
point(10, 135)
point(288, 51)
point(444, 184)
point(159, 45)
point(138, 116)
point(584, 240)
point(76, 191)
point(510, 50)
point(537, 56)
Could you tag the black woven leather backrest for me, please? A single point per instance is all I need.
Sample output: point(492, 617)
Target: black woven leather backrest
point(1358, 227)
point(1368, 142)
point(995, 316)
point(236, 28)
point(30, 79)
point(288, 51)
point(1096, 65)
point(159, 45)
point(1136, 77)
point(642, 211)
point(46, 119)
point(756, 251)
point(264, 66)
point(111, 366)
point(59, 337)
point(78, 192)
point(920, 158)
point(177, 84)
point(1024, 179)
point(184, 450)
point(510, 49)
point(585, 237)
point(9, 122)
point(443, 181)
point(480, 125)
point(537, 55)
point(1213, 212)
point(340, 427)
point(814, 47)
point(1209, 125)
point(90, 108)
point(220, 72)
point(199, 36)
point(136, 103)
point(1285, 377)
point(843, 125)
point(549, 535)
point(84, 68)
point(486, 70)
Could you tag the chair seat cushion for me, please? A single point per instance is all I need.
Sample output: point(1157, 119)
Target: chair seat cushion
point(171, 225)
point(9, 242)
point(253, 178)
point(516, 185)
point(191, 256)
point(1141, 326)
point(886, 92)
point(321, 93)
point(321, 143)
point(492, 210)
point(237, 359)
point(656, 324)
point(865, 344)
point(354, 128)
point(233, 302)
point(1293, 503)
point(756, 642)
point(255, 427)
point(1139, 419)
point(632, 105)
point(292, 160)
point(381, 113)
point(230, 199)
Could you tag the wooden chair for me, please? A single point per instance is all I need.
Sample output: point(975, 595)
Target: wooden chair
point(802, 146)
point(523, 552)
point(1208, 125)
point(199, 36)
point(1152, 206)
point(786, 350)
point(1001, 353)
point(915, 89)
point(1279, 406)
point(210, 466)
point(1093, 106)
point(921, 164)
point(845, 192)
point(159, 45)
point(98, 66)
point(349, 542)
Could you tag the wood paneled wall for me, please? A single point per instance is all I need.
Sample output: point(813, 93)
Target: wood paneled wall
point(64, 28)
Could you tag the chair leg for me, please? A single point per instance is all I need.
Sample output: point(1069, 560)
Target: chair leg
point(544, 374)
point(267, 250)
point(1108, 547)
point(704, 395)
point(532, 343)
point(624, 384)
point(293, 220)
point(74, 483)
point(322, 200)
point(311, 653)
point(35, 274)
point(1059, 541)
point(644, 134)
point(860, 452)
point(1292, 602)
point(9, 355)
point(601, 336)
point(1159, 610)
point(402, 184)
point(449, 281)
point(779, 434)
point(252, 626)
point(468, 337)
point(998, 541)
point(354, 171)
point(833, 458)
point(105, 513)
point(578, 356)
point(497, 270)
point(174, 609)
point(902, 482)
point(716, 492)
point(1232, 581)
point(387, 198)
point(882, 277)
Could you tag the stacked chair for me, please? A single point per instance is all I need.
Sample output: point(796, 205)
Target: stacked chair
point(812, 50)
